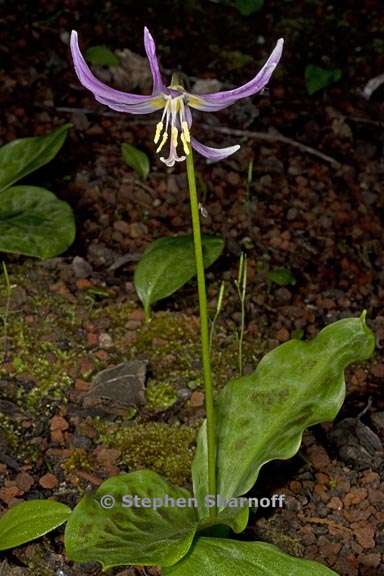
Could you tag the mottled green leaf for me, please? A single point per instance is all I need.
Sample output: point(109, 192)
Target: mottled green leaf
point(317, 78)
point(261, 417)
point(136, 159)
point(25, 155)
point(101, 56)
point(168, 263)
point(281, 277)
point(34, 222)
point(220, 557)
point(29, 520)
point(121, 535)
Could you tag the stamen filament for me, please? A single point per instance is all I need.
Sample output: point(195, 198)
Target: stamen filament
point(173, 124)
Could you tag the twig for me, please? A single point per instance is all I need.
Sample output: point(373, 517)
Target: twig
point(360, 120)
point(326, 521)
point(144, 186)
point(97, 112)
point(125, 259)
point(268, 137)
point(86, 111)
point(372, 86)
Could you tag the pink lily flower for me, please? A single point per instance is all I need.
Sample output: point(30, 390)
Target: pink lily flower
point(175, 102)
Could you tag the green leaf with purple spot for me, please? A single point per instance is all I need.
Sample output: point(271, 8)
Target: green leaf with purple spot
point(261, 417)
point(119, 535)
point(220, 557)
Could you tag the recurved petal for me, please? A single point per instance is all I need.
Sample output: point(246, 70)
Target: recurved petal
point(115, 99)
point(213, 154)
point(151, 104)
point(219, 100)
point(150, 49)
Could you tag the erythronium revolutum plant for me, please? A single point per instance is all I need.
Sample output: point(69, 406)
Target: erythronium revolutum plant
point(139, 518)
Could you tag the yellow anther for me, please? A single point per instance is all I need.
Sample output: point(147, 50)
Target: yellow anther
point(185, 145)
point(185, 128)
point(163, 141)
point(175, 134)
point(159, 129)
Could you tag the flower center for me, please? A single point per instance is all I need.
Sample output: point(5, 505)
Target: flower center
point(176, 124)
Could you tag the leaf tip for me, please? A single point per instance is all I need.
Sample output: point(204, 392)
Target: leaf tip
point(363, 317)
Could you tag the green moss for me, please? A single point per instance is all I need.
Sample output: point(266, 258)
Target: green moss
point(46, 345)
point(171, 341)
point(273, 531)
point(165, 448)
point(9, 430)
point(14, 434)
point(77, 461)
point(160, 396)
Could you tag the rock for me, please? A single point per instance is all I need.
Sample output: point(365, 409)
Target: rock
point(132, 73)
point(205, 86)
point(378, 421)
point(282, 335)
point(283, 295)
point(83, 284)
point(105, 341)
point(335, 503)
point(137, 315)
point(24, 481)
point(378, 370)
point(121, 226)
point(318, 457)
point(357, 445)
point(81, 385)
point(115, 389)
point(49, 481)
point(106, 457)
point(197, 399)
point(364, 534)
point(355, 496)
point(81, 267)
point(58, 423)
point(9, 493)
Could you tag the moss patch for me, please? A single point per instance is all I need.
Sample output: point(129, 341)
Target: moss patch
point(165, 448)
point(160, 396)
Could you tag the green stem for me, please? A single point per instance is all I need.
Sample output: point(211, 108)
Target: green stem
point(8, 292)
point(204, 330)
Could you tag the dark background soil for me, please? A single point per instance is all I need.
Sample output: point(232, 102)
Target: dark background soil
point(320, 219)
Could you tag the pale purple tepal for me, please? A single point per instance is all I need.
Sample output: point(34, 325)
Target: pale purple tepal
point(175, 102)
